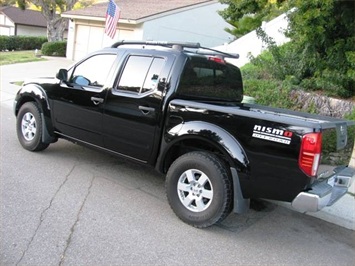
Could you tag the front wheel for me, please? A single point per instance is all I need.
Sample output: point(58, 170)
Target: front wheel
point(199, 189)
point(29, 127)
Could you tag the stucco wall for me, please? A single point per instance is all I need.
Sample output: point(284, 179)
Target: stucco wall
point(7, 30)
point(6, 26)
point(201, 24)
point(85, 36)
point(250, 44)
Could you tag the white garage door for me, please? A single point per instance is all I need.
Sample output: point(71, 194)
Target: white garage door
point(92, 38)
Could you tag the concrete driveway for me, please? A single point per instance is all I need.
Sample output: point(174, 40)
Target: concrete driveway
point(70, 205)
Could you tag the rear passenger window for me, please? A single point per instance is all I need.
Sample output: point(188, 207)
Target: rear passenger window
point(141, 74)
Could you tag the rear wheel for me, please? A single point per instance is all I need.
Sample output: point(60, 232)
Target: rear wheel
point(29, 127)
point(199, 190)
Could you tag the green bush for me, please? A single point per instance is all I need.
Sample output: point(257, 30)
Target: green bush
point(284, 64)
point(322, 34)
point(11, 43)
point(54, 48)
point(350, 116)
point(268, 92)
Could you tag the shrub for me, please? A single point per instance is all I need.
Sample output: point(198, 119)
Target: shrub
point(11, 43)
point(268, 92)
point(54, 48)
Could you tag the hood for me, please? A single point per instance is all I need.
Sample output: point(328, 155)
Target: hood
point(43, 80)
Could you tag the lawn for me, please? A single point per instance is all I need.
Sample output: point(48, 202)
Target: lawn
point(7, 58)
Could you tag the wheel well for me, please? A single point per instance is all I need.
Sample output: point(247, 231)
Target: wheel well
point(189, 145)
point(23, 100)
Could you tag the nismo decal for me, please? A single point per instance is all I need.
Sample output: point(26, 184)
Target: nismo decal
point(272, 134)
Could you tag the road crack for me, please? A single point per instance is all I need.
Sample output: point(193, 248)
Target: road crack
point(41, 219)
point(72, 229)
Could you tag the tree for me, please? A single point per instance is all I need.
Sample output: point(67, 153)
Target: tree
point(51, 9)
point(247, 15)
point(321, 54)
point(7, 2)
point(323, 35)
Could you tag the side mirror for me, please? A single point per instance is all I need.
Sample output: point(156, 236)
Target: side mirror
point(62, 75)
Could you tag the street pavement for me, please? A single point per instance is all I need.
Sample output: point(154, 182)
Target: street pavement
point(71, 205)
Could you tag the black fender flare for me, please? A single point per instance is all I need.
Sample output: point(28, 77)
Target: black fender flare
point(35, 93)
point(215, 135)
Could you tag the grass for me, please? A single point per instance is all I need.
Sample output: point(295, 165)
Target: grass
point(18, 83)
point(14, 57)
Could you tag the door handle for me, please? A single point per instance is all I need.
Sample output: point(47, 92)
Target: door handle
point(146, 110)
point(197, 110)
point(97, 100)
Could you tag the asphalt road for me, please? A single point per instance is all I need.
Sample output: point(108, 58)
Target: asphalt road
point(71, 205)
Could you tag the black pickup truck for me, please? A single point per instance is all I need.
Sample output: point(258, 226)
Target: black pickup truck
point(179, 108)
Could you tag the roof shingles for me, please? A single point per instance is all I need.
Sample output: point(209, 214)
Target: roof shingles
point(24, 17)
point(137, 9)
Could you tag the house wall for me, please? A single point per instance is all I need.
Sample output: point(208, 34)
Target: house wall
point(24, 30)
point(202, 24)
point(7, 27)
point(85, 36)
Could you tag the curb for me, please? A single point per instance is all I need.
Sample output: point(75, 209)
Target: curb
point(352, 164)
point(342, 213)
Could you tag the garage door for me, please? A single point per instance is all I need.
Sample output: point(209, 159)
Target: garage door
point(92, 38)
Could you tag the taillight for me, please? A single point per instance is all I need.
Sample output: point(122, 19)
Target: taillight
point(311, 148)
point(217, 59)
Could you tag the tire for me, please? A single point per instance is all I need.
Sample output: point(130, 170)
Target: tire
point(29, 127)
point(199, 189)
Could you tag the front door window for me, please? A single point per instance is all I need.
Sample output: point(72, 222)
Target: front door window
point(93, 71)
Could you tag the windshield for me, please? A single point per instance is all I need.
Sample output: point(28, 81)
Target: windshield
point(211, 78)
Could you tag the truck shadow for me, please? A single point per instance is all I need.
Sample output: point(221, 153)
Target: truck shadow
point(259, 209)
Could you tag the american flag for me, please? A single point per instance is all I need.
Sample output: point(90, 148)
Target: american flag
point(112, 16)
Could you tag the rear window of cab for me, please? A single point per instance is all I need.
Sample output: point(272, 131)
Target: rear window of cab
point(210, 78)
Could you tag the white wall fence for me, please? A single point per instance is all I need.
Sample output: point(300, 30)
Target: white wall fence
point(250, 44)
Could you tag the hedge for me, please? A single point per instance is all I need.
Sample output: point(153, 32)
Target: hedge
point(54, 48)
point(10, 43)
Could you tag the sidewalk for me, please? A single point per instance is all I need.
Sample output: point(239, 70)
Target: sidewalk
point(342, 213)
point(23, 71)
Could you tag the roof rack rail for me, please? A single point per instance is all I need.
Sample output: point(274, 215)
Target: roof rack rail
point(178, 46)
point(159, 43)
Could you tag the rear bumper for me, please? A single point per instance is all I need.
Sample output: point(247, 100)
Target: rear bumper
point(325, 192)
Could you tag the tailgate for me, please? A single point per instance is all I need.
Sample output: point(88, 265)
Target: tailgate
point(337, 147)
point(333, 176)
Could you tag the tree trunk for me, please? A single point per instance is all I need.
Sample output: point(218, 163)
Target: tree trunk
point(56, 28)
point(56, 25)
